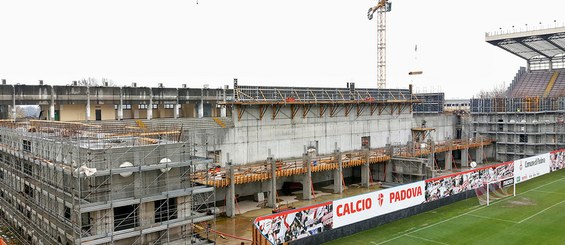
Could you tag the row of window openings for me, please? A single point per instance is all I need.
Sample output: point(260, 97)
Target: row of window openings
point(125, 217)
point(464, 104)
point(145, 106)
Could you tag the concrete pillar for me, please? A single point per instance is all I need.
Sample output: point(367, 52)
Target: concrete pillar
point(273, 194)
point(448, 159)
point(388, 164)
point(230, 195)
point(223, 109)
point(338, 173)
point(87, 102)
point(138, 185)
point(465, 157)
point(201, 104)
point(13, 109)
point(365, 171)
point(52, 105)
point(102, 221)
point(201, 109)
point(176, 110)
point(307, 182)
point(121, 105)
point(479, 155)
point(150, 106)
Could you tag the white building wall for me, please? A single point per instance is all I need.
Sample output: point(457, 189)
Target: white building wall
point(251, 138)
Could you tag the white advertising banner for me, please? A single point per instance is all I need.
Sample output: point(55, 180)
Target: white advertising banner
point(357, 208)
point(531, 167)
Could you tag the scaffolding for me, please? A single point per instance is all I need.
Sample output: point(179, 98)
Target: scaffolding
point(522, 127)
point(121, 182)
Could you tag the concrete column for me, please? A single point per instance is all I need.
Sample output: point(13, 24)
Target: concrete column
point(338, 173)
point(448, 160)
point(479, 155)
point(150, 106)
point(223, 109)
point(388, 164)
point(14, 102)
point(137, 177)
point(121, 105)
point(176, 110)
point(52, 105)
point(201, 105)
point(365, 171)
point(465, 157)
point(230, 195)
point(273, 195)
point(102, 221)
point(87, 102)
point(307, 182)
point(201, 109)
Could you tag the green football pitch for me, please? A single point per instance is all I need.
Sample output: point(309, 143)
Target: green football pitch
point(536, 215)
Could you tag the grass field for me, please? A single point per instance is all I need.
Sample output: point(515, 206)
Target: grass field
point(536, 215)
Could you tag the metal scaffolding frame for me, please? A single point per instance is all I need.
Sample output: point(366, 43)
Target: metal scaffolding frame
point(522, 127)
point(71, 182)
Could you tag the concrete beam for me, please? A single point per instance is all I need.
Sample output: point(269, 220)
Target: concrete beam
point(307, 181)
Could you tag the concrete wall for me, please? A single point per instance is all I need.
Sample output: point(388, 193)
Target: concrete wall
point(78, 112)
point(443, 123)
point(251, 138)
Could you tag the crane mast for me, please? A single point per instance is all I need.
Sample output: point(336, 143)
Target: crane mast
point(381, 8)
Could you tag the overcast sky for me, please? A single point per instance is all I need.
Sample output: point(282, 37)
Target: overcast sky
point(275, 43)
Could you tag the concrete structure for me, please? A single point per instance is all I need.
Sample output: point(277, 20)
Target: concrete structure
point(69, 103)
point(113, 182)
point(270, 135)
point(529, 118)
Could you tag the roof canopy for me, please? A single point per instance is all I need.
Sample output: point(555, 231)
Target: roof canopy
point(545, 44)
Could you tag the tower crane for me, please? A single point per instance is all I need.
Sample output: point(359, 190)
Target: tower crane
point(381, 8)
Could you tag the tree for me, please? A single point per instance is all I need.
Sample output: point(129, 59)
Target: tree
point(93, 82)
point(498, 91)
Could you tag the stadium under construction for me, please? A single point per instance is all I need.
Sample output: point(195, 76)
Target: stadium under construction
point(155, 165)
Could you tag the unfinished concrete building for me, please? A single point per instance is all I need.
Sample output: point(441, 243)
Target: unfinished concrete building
point(529, 118)
point(104, 183)
point(247, 140)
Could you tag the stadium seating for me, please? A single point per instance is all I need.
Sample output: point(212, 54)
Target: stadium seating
point(535, 83)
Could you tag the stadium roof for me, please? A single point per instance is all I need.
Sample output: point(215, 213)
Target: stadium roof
point(534, 44)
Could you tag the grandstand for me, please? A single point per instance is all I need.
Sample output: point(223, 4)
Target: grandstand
point(544, 52)
point(531, 119)
point(541, 83)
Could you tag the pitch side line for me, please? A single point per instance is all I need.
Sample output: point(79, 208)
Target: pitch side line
point(485, 217)
point(551, 192)
point(473, 210)
point(545, 209)
point(427, 240)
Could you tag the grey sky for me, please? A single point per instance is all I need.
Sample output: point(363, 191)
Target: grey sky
point(276, 43)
